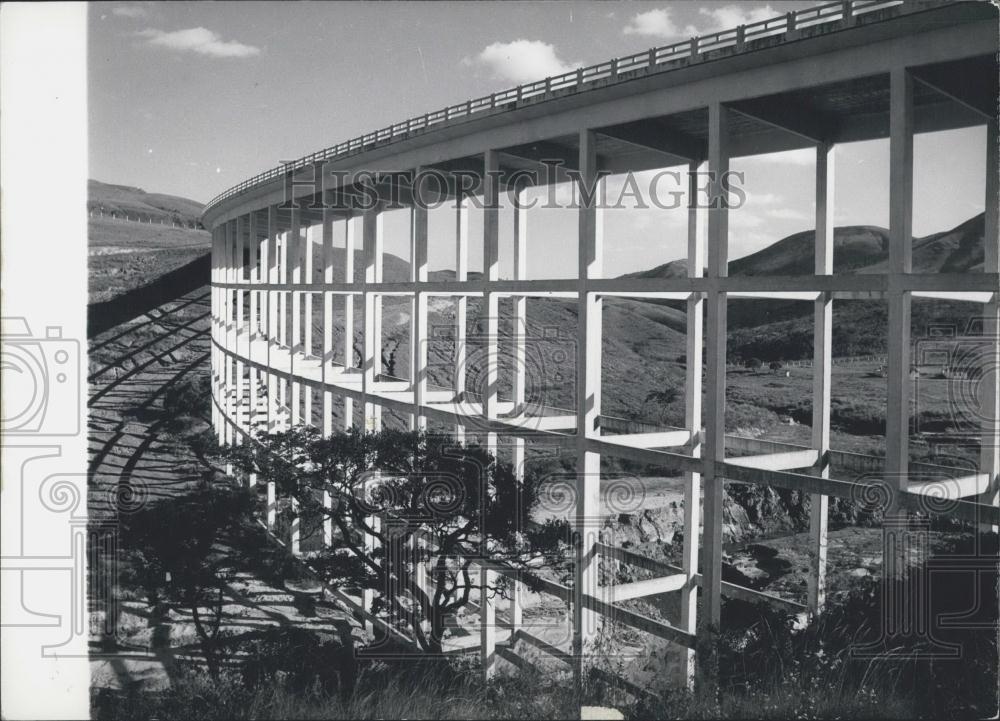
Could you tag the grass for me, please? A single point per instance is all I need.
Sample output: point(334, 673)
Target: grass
point(446, 690)
point(764, 667)
point(126, 255)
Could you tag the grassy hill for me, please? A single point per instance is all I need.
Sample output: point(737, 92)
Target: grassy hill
point(644, 340)
point(135, 202)
point(782, 330)
point(126, 254)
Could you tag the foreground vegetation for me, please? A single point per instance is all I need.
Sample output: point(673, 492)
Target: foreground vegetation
point(183, 553)
point(842, 666)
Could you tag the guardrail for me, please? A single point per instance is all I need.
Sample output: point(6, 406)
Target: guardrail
point(657, 59)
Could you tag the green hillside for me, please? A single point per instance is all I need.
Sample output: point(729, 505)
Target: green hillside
point(123, 200)
point(126, 254)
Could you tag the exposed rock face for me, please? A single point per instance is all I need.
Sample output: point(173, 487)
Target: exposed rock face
point(748, 512)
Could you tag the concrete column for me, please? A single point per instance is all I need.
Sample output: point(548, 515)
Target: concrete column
point(491, 268)
point(327, 520)
point(217, 311)
point(588, 402)
point(295, 253)
point(520, 375)
point(373, 239)
point(254, 278)
point(822, 352)
point(348, 316)
point(294, 532)
point(242, 345)
point(715, 397)
point(283, 253)
point(271, 269)
point(229, 333)
point(418, 313)
point(461, 306)
point(327, 352)
point(307, 298)
point(989, 456)
point(697, 228)
point(272, 505)
point(900, 261)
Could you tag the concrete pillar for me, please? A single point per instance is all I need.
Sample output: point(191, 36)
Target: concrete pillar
point(461, 306)
point(418, 310)
point(283, 277)
point(491, 273)
point(989, 456)
point(348, 315)
point(295, 253)
point(715, 396)
point(327, 351)
point(898, 350)
point(588, 402)
point(241, 345)
point(822, 352)
point(327, 520)
point(254, 277)
point(294, 533)
point(307, 297)
point(520, 321)
point(900, 255)
point(697, 228)
point(271, 270)
point(373, 240)
point(272, 505)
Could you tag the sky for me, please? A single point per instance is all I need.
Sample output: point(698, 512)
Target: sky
point(192, 98)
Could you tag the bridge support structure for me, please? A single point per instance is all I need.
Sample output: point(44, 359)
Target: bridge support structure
point(266, 291)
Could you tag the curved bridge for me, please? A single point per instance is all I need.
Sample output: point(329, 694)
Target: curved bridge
point(297, 332)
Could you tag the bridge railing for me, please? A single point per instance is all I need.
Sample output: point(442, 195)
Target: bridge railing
point(657, 59)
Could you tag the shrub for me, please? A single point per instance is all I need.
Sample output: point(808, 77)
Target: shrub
point(188, 398)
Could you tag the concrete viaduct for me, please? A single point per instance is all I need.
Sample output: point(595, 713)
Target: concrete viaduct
point(834, 73)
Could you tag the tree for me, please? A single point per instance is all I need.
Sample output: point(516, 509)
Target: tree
point(753, 364)
point(175, 554)
point(440, 507)
point(662, 399)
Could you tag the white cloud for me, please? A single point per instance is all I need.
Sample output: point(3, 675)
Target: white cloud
point(658, 23)
point(730, 16)
point(521, 61)
point(129, 11)
point(198, 40)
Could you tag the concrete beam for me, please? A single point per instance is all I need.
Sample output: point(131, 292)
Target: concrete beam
point(981, 99)
point(784, 114)
point(641, 589)
point(658, 136)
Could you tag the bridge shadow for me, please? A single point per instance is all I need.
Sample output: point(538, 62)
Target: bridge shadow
point(141, 345)
point(165, 289)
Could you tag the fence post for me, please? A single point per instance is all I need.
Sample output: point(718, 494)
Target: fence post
point(791, 30)
point(848, 12)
